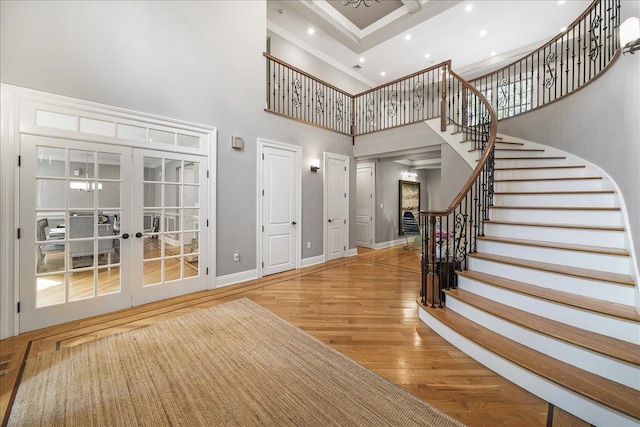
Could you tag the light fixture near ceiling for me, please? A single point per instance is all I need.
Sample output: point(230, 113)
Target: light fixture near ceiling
point(356, 3)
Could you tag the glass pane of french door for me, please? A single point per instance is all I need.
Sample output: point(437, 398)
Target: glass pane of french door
point(72, 206)
point(168, 221)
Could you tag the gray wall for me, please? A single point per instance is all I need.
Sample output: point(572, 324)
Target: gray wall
point(198, 61)
point(600, 123)
point(454, 173)
point(388, 174)
point(430, 188)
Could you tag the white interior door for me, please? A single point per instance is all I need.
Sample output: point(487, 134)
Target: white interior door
point(169, 243)
point(280, 174)
point(365, 203)
point(337, 205)
point(74, 201)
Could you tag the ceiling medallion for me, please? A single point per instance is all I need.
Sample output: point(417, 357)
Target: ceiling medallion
point(356, 3)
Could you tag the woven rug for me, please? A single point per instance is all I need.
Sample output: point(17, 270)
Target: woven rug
point(236, 364)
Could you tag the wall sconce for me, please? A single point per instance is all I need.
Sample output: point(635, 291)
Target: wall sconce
point(315, 165)
point(630, 35)
point(237, 143)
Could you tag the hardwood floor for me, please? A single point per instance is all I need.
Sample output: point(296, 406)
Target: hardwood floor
point(363, 306)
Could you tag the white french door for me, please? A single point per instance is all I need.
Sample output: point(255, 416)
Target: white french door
point(104, 227)
point(337, 205)
point(280, 207)
point(169, 242)
point(74, 204)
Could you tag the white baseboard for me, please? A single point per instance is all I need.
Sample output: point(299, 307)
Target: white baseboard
point(307, 262)
point(352, 252)
point(390, 243)
point(232, 279)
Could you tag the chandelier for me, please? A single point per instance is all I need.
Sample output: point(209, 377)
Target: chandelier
point(356, 3)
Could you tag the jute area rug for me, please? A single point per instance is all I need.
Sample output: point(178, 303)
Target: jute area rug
point(235, 364)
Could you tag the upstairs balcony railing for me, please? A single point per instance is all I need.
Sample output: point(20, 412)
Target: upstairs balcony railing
point(563, 65)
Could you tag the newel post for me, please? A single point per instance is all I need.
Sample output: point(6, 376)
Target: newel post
point(433, 286)
point(443, 102)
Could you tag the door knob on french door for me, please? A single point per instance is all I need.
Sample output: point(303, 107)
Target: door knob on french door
point(293, 223)
point(138, 234)
point(330, 220)
point(125, 236)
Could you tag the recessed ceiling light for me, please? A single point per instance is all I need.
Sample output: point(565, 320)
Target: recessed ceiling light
point(492, 53)
point(407, 37)
point(468, 7)
point(427, 56)
point(483, 33)
point(311, 30)
point(561, 2)
point(383, 74)
point(362, 59)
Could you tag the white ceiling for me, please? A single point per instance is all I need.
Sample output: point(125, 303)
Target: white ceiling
point(443, 29)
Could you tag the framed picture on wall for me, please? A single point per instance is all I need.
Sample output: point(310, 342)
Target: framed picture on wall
point(409, 201)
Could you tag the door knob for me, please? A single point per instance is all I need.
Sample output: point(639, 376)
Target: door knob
point(125, 236)
point(138, 234)
point(293, 223)
point(330, 220)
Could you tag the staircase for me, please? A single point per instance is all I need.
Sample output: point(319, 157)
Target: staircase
point(548, 298)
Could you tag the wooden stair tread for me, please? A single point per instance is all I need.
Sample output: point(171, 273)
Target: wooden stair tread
point(555, 245)
point(508, 149)
point(621, 279)
point(560, 208)
point(530, 158)
point(605, 345)
point(536, 193)
point(606, 392)
point(595, 305)
point(570, 178)
point(541, 167)
point(570, 226)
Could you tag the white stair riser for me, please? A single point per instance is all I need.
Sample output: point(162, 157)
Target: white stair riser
point(595, 363)
point(525, 163)
point(601, 324)
point(553, 216)
point(540, 173)
point(549, 391)
point(502, 152)
point(550, 185)
point(589, 260)
point(605, 238)
point(606, 200)
point(605, 291)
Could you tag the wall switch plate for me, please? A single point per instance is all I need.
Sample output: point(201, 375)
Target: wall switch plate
point(308, 245)
point(236, 256)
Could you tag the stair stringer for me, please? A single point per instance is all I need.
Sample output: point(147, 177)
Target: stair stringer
point(588, 410)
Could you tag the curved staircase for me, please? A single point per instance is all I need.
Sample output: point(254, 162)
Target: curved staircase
point(548, 298)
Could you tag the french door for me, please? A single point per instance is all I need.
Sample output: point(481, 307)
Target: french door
point(104, 227)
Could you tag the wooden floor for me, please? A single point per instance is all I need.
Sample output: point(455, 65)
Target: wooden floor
point(364, 307)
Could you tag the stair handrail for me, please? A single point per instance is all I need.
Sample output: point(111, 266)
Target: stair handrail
point(566, 63)
point(449, 235)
